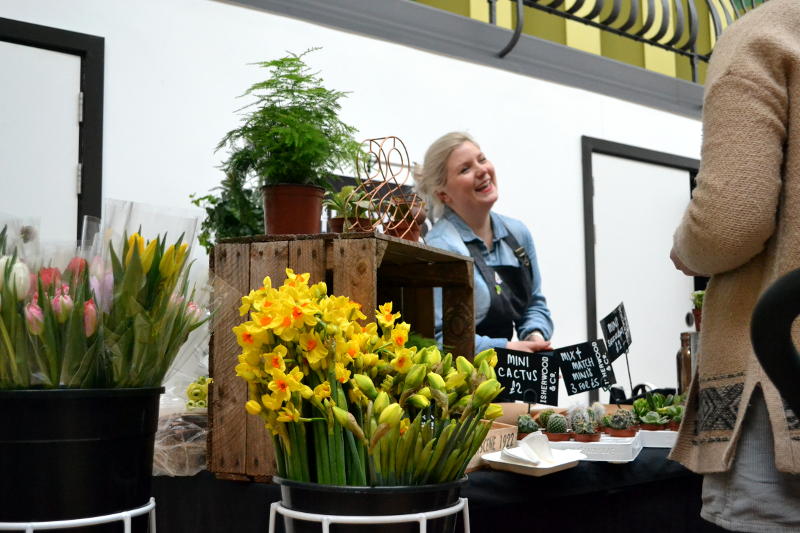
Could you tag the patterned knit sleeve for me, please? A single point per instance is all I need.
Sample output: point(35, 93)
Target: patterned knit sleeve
point(733, 209)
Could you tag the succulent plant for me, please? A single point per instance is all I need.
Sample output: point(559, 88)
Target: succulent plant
point(556, 423)
point(582, 422)
point(606, 421)
point(527, 424)
point(622, 419)
point(654, 418)
point(544, 416)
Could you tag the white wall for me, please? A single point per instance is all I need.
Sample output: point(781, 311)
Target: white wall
point(175, 67)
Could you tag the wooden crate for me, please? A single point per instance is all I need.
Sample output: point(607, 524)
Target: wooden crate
point(369, 268)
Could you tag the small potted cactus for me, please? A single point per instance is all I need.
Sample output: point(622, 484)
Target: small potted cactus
point(557, 429)
point(525, 425)
point(583, 426)
point(542, 417)
point(620, 424)
point(605, 423)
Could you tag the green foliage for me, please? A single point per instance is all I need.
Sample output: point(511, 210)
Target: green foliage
point(606, 420)
point(556, 423)
point(640, 407)
point(237, 210)
point(544, 416)
point(527, 424)
point(697, 299)
point(291, 133)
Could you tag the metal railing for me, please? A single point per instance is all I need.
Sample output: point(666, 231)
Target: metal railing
point(677, 31)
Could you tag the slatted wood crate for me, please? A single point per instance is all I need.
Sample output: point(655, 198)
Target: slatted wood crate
point(370, 269)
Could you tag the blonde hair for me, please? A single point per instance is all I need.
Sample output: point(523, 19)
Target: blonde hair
point(432, 176)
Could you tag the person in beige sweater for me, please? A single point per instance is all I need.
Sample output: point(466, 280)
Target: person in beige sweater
point(742, 228)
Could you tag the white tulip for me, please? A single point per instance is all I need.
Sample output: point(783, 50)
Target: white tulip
point(21, 278)
point(3, 262)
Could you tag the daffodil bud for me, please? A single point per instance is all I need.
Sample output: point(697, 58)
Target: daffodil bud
point(419, 401)
point(430, 355)
point(486, 370)
point(436, 382)
point(493, 411)
point(452, 397)
point(380, 403)
point(485, 355)
point(447, 364)
point(486, 392)
point(365, 385)
point(391, 415)
point(464, 366)
point(462, 403)
point(415, 376)
point(253, 407)
point(455, 380)
point(348, 421)
point(425, 391)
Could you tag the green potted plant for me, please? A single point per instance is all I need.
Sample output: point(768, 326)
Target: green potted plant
point(584, 426)
point(526, 424)
point(557, 428)
point(352, 209)
point(697, 310)
point(621, 424)
point(290, 140)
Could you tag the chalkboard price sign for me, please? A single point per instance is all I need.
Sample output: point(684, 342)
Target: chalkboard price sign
point(529, 377)
point(616, 332)
point(585, 367)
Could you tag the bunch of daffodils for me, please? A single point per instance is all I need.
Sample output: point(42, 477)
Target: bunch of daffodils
point(114, 320)
point(349, 404)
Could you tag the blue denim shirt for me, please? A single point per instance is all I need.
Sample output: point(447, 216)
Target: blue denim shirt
point(451, 233)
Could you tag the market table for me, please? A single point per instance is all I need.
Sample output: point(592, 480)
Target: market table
point(649, 494)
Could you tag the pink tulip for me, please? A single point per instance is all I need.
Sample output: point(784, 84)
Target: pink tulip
point(34, 318)
point(51, 277)
point(103, 289)
point(194, 312)
point(89, 317)
point(62, 305)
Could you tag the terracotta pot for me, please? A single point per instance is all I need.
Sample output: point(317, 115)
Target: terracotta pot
point(336, 225)
point(621, 432)
point(673, 426)
point(636, 428)
point(405, 230)
point(292, 209)
point(558, 437)
point(521, 436)
point(698, 314)
point(587, 437)
point(654, 427)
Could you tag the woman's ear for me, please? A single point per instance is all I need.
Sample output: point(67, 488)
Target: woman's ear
point(442, 196)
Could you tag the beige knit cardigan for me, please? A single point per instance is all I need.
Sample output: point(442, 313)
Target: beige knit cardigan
point(742, 227)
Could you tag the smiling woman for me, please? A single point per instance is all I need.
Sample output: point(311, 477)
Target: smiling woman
point(458, 180)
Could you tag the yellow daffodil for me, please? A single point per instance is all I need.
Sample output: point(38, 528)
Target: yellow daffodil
point(275, 358)
point(253, 407)
point(314, 348)
point(342, 374)
point(289, 414)
point(282, 385)
point(403, 360)
point(271, 402)
point(384, 315)
point(322, 391)
point(399, 335)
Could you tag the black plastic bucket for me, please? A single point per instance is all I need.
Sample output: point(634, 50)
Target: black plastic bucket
point(72, 453)
point(369, 501)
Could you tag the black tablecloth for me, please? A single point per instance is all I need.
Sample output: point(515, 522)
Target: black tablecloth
point(650, 494)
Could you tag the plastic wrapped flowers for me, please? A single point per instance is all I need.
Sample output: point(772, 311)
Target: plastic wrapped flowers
point(116, 319)
point(349, 404)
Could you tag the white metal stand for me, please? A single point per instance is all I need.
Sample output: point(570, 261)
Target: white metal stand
point(125, 516)
point(327, 520)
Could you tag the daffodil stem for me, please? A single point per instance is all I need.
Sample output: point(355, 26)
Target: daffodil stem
point(321, 452)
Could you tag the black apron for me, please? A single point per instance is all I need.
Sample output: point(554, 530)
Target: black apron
point(509, 290)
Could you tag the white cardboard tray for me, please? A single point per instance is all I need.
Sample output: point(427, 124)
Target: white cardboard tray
point(611, 449)
point(564, 460)
point(658, 439)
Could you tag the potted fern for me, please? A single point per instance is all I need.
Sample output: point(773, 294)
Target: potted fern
point(290, 140)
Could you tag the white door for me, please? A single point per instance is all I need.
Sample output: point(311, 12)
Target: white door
point(39, 126)
point(637, 207)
